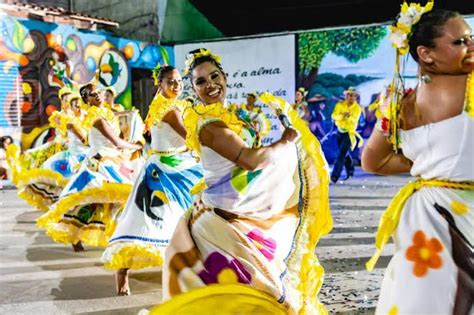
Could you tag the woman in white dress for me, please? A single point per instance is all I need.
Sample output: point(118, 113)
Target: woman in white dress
point(161, 192)
point(89, 203)
point(43, 172)
point(256, 222)
point(432, 128)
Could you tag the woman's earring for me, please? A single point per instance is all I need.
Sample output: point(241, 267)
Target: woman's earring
point(426, 78)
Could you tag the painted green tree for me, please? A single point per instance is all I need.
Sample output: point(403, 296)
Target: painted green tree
point(354, 44)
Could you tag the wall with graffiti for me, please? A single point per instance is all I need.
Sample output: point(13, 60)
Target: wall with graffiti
point(38, 58)
point(330, 61)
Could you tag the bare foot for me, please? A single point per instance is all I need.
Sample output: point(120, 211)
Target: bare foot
point(121, 282)
point(78, 247)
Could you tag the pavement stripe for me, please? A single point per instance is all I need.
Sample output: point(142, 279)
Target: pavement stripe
point(109, 304)
point(65, 274)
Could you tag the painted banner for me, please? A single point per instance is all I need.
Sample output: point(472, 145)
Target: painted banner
point(330, 61)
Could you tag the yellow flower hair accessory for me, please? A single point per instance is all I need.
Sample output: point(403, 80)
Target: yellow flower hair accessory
point(155, 71)
point(202, 53)
point(409, 15)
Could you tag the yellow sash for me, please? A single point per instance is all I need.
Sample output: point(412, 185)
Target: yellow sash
point(389, 220)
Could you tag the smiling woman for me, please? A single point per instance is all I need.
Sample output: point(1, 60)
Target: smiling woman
point(254, 223)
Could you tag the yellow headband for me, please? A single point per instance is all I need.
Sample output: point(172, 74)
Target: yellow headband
point(202, 53)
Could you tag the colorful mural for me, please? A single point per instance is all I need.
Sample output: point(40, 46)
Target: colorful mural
point(38, 58)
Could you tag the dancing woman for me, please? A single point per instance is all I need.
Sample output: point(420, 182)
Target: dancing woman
point(88, 205)
point(254, 224)
point(431, 129)
point(161, 192)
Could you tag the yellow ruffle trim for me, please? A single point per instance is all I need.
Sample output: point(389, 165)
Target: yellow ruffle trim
point(94, 113)
point(160, 106)
point(107, 193)
point(316, 218)
point(66, 233)
point(470, 95)
point(391, 216)
point(193, 118)
point(221, 299)
point(34, 200)
point(13, 153)
point(44, 176)
point(133, 256)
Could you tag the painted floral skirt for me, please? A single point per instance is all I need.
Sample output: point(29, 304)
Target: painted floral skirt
point(160, 196)
point(89, 204)
point(44, 173)
point(432, 265)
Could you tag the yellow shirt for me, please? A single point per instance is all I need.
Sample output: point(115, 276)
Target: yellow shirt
point(348, 124)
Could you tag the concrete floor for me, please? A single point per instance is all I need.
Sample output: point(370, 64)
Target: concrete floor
point(38, 276)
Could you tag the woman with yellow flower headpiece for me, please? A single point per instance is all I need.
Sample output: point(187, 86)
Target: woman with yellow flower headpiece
point(91, 200)
point(247, 243)
point(161, 192)
point(431, 129)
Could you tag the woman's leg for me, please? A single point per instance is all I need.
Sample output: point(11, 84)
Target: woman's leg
point(121, 281)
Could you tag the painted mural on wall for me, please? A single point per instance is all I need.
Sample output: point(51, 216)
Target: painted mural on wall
point(38, 58)
point(330, 61)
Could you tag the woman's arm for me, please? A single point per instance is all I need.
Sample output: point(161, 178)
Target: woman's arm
point(174, 119)
point(378, 157)
point(72, 128)
point(225, 142)
point(104, 128)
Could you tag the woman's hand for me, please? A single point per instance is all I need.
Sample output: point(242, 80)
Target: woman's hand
point(289, 135)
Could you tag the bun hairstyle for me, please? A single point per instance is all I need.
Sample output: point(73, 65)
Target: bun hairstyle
point(427, 29)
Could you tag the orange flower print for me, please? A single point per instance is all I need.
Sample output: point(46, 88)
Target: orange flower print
point(424, 253)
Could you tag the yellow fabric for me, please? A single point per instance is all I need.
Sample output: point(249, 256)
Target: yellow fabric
point(135, 256)
point(58, 120)
point(28, 139)
point(391, 216)
point(33, 200)
point(39, 175)
point(94, 113)
point(36, 175)
point(107, 193)
point(348, 124)
point(375, 106)
point(317, 219)
point(470, 95)
point(192, 116)
point(221, 299)
point(160, 106)
point(200, 186)
point(13, 160)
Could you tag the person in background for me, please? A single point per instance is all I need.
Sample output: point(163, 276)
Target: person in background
point(300, 105)
point(346, 116)
point(430, 133)
point(5, 142)
point(109, 99)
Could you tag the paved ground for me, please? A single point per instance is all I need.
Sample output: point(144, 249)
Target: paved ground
point(38, 276)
